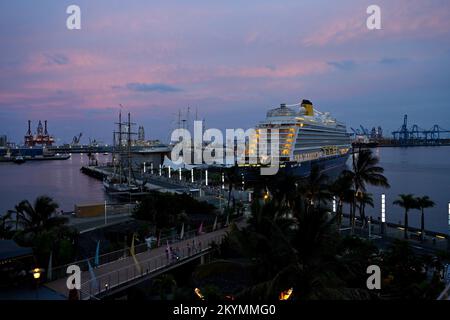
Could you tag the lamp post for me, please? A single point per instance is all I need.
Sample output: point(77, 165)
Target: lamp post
point(448, 233)
point(106, 215)
point(334, 204)
point(37, 276)
point(383, 213)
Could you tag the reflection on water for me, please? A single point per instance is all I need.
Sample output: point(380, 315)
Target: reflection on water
point(421, 171)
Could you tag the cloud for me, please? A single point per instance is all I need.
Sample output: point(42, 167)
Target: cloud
point(343, 65)
point(56, 58)
point(151, 87)
point(392, 61)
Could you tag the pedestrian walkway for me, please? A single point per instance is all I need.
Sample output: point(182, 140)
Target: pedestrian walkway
point(124, 270)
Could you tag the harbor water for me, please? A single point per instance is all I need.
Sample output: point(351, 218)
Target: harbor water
point(59, 179)
point(418, 170)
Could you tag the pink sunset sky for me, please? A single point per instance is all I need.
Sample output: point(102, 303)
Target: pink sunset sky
point(230, 60)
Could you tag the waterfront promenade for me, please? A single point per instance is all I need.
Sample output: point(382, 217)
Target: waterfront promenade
point(125, 269)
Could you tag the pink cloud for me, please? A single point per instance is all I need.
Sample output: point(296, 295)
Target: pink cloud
point(400, 19)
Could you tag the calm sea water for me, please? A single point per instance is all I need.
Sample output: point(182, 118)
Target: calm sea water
point(421, 171)
point(59, 179)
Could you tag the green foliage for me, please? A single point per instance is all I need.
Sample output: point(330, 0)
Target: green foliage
point(291, 241)
point(45, 231)
point(165, 210)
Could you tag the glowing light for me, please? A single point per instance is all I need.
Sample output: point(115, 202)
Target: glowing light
point(285, 295)
point(36, 273)
point(199, 294)
point(383, 208)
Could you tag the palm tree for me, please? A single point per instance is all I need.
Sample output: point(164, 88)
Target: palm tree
point(314, 189)
point(364, 199)
point(40, 216)
point(423, 203)
point(407, 202)
point(340, 188)
point(366, 171)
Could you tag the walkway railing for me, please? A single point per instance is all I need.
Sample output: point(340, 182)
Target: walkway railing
point(102, 284)
point(60, 271)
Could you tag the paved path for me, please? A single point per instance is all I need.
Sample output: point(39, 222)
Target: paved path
point(125, 269)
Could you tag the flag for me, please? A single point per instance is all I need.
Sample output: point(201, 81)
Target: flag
point(132, 252)
point(168, 252)
point(93, 277)
point(182, 232)
point(97, 254)
point(215, 224)
point(168, 248)
point(49, 269)
point(149, 241)
point(200, 229)
point(159, 239)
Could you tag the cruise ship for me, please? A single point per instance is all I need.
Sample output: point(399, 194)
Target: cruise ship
point(307, 138)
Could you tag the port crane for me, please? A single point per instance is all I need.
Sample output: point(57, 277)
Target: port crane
point(418, 135)
point(76, 139)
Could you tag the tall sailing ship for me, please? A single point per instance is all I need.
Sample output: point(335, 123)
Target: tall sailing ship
point(307, 138)
point(122, 180)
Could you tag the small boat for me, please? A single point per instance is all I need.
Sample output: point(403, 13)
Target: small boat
point(19, 160)
point(105, 153)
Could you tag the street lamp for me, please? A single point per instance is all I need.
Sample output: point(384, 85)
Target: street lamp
point(106, 216)
point(36, 273)
point(334, 204)
point(448, 235)
point(383, 212)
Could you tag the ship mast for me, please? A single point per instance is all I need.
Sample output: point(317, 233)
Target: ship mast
point(129, 148)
